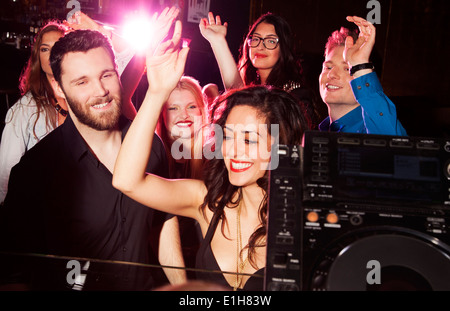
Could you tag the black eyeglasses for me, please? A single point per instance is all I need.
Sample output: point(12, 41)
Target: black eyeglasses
point(269, 43)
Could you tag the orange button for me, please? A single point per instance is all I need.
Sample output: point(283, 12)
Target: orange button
point(312, 217)
point(332, 218)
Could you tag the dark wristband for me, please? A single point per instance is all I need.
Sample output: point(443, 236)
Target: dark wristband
point(361, 67)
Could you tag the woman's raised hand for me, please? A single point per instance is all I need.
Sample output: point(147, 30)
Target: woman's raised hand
point(211, 28)
point(165, 65)
point(161, 25)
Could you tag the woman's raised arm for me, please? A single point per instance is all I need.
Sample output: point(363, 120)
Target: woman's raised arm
point(213, 31)
point(181, 197)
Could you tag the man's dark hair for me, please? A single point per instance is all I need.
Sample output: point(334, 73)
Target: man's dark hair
point(77, 41)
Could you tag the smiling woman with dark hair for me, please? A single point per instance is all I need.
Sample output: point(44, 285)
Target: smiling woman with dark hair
point(286, 72)
point(230, 204)
point(225, 175)
point(267, 57)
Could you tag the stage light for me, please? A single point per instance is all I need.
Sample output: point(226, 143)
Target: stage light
point(138, 31)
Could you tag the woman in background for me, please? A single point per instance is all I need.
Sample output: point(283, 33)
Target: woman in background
point(182, 128)
point(38, 111)
point(267, 57)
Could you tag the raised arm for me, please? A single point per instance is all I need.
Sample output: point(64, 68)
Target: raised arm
point(181, 197)
point(130, 78)
point(379, 112)
point(80, 20)
point(358, 52)
point(213, 31)
point(132, 73)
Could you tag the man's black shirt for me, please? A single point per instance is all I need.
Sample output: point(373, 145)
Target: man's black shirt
point(61, 202)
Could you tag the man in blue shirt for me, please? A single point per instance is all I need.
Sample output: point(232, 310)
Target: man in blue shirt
point(351, 89)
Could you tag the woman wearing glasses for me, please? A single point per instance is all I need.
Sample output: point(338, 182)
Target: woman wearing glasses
point(267, 57)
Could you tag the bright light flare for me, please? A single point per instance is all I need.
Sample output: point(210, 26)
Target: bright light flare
point(138, 30)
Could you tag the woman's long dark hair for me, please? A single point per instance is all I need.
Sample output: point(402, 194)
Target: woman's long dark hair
point(277, 107)
point(34, 80)
point(288, 68)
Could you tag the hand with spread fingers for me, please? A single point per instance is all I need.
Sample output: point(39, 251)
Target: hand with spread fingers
point(212, 29)
point(161, 25)
point(165, 65)
point(359, 52)
point(215, 33)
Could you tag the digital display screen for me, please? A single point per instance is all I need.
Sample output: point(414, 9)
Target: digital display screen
point(383, 164)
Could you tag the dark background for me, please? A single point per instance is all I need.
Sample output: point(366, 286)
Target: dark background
point(411, 53)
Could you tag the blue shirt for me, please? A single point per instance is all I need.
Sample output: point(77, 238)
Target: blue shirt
point(375, 115)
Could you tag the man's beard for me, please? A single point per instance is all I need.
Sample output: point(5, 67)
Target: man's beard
point(101, 121)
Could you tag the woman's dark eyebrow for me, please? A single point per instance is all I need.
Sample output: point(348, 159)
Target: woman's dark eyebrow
point(269, 35)
point(243, 131)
